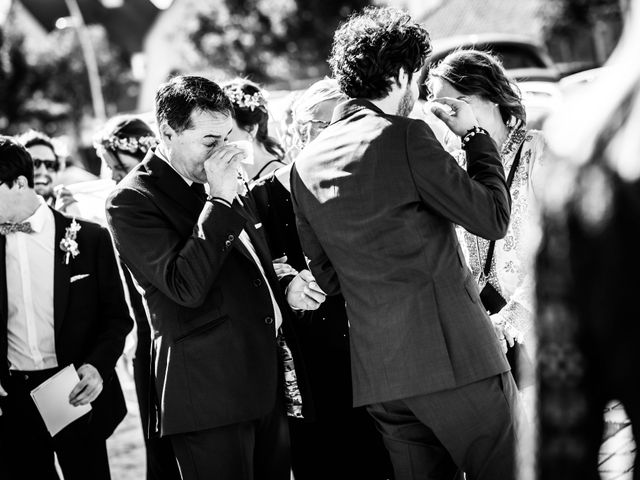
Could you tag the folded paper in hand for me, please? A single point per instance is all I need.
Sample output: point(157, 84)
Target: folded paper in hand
point(52, 400)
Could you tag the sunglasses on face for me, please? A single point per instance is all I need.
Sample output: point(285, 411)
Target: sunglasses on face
point(51, 165)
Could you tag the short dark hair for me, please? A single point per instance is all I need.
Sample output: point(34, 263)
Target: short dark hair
point(370, 48)
point(183, 94)
point(250, 109)
point(14, 161)
point(474, 72)
point(31, 138)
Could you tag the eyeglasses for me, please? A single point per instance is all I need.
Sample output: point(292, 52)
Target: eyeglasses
point(51, 165)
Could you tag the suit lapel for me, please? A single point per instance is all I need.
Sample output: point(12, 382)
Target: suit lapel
point(257, 241)
point(170, 182)
point(61, 273)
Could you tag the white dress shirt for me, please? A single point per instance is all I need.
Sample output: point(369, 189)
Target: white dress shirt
point(29, 262)
point(244, 238)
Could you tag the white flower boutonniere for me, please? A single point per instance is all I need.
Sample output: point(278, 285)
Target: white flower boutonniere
point(68, 244)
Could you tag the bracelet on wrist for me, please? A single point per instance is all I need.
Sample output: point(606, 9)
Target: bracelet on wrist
point(211, 198)
point(472, 132)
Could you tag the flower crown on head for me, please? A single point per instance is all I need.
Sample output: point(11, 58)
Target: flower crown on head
point(243, 100)
point(128, 144)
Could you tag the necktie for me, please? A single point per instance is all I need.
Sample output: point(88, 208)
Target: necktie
point(199, 190)
point(7, 228)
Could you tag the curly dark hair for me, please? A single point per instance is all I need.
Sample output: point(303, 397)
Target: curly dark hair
point(474, 72)
point(255, 112)
point(370, 48)
point(181, 95)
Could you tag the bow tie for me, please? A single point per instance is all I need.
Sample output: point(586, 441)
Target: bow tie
point(7, 228)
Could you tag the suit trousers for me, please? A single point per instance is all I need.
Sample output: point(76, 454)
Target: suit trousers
point(252, 450)
point(23, 434)
point(472, 428)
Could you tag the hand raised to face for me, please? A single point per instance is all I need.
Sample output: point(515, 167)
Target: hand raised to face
point(456, 114)
point(221, 169)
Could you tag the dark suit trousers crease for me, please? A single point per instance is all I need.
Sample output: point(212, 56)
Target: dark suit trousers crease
point(23, 434)
point(254, 450)
point(472, 427)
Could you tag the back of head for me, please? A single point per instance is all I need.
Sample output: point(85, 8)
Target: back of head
point(474, 72)
point(126, 133)
point(313, 109)
point(184, 94)
point(249, 103)
point(370, 48)
point(306, 105)
point(15, 161)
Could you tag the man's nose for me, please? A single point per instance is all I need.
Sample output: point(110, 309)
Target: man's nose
point(41, 169)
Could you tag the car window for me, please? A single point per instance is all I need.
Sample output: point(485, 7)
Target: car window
point(517, 57)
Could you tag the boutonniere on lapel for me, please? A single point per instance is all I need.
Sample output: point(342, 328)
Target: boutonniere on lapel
point(68, 244)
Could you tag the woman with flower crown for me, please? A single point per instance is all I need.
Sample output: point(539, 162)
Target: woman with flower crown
point(503, 268)
point(251, 124)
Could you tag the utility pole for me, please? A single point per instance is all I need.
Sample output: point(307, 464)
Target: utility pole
point(88, 52)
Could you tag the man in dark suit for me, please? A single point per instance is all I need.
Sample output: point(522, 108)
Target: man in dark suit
point(376, 199)
point(61, 303)
point(216, 306)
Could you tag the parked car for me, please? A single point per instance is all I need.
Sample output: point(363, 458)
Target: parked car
point(575, 81)
point(526, 62)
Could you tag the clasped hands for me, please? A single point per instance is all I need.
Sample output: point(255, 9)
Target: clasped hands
point(85, 391)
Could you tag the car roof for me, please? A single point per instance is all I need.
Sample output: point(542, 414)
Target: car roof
point(472, 38)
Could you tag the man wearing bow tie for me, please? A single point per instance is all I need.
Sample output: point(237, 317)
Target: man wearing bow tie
point(218, 312)
point(61, 303)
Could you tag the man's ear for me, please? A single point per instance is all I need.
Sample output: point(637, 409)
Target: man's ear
point(166, 132)
point(22, 182)
point(403, 78)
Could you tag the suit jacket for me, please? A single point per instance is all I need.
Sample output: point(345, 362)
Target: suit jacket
point(91, 318)
point(214, 350)
point(376, 198)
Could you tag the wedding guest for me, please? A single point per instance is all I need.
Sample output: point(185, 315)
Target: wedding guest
point(61, 303)
point(587, 267)
point(46, 163)
point(339, 434)
point(251, 123)
point(376, 199)
point(122, 144)
point(503, 268)
point(225, 361)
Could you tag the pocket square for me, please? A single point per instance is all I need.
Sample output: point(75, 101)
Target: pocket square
point(75, 278)
point(257, 226)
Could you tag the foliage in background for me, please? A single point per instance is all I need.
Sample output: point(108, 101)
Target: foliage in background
point(268, 40)
point(561, 15)
point(49, 81)
point(14, 76)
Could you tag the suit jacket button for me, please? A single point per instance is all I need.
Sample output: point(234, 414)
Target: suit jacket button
point(257, 282)
point(230, 238)
point(268, 320)
point(227, 244)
